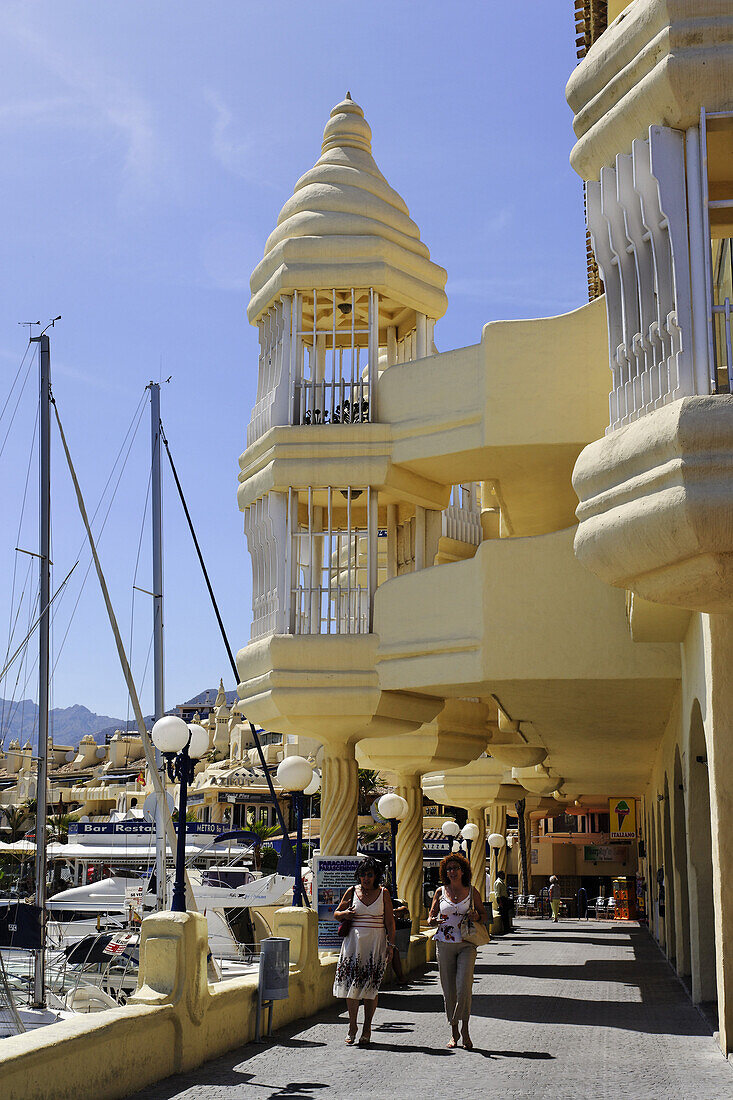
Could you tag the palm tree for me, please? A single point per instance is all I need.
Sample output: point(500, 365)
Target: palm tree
point(368, 786)
point(60, 825)
point(17, 821)
point(262, 832)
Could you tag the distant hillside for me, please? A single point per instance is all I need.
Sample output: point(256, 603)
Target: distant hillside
point(69, 724)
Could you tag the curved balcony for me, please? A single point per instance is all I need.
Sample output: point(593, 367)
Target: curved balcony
point(656, 500)
point(524, 622)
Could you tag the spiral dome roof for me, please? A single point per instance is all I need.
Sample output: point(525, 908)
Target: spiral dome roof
point(344, 226)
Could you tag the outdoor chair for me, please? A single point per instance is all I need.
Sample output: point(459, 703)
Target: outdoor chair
point(611, 908)
point(531, 907)
point(520, 904)
point(598, 907)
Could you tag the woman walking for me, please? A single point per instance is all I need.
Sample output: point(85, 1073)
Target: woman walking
point(453, 901)
point(366, 948)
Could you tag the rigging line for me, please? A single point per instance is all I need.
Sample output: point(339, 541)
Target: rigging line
point(141, 409)
point(11, 635)
point(15, 380)
point(147, 743)
point(37, 621)
point(17, 403)
point(22, 514)
point(134, 577)
point(290, 856)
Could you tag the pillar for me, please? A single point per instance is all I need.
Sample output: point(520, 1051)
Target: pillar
point(339, 800)
point(410, 847)
point(477, 816)
point(720, 769)
point(497, 824)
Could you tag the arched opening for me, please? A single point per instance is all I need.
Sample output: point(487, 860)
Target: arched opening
point(667, 864)
point(682, 896)
point(702, 912)
point(659, 872)
point(652, 888)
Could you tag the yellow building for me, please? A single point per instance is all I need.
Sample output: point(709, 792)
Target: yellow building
point(425, 599)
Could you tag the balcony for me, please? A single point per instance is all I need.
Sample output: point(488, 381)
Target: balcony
point(523, 621)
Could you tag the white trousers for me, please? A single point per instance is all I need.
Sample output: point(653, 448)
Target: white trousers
point(455, 966)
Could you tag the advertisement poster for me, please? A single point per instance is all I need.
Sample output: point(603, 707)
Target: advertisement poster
point(334, 875)
point(622, 814)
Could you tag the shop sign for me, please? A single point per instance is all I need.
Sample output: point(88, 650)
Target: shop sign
point(604, 853)
point(622, 815)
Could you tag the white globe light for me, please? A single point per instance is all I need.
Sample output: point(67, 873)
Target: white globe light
point(392, 807)
point(314, 786)
point(450, 828)
point(170, 733)
point(470, 831)
point(456, 846)
point(199, 743)
point(294, 773)
point(496, 840)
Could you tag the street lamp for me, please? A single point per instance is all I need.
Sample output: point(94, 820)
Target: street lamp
point(393, 808)
point(469, 832)
point(181, 746)
point(496, 843)
point(295, 774)
point(313, 788)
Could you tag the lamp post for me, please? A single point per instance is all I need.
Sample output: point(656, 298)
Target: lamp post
point(469, 832)
point(181, 746)
point(451, 829)
point(295, 774)
point(393, 808)
point(313, 788)
point(496, 843)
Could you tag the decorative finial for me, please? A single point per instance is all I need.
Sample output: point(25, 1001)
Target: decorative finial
point(348, 95)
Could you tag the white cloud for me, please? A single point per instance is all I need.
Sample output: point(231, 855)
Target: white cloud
point(250, 155)
point(88, 98)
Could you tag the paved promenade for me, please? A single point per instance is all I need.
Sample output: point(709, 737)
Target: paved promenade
point(573, 1010)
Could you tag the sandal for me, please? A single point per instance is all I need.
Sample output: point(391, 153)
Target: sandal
point(452, 1043)
point(366, 1038)
point(467, 1042)
point(350, 1039)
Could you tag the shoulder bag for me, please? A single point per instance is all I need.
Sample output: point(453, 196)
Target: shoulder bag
point(474, 932)
point(345, 926)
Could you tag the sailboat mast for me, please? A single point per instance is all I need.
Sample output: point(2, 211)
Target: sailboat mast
point(39, 985)
point(159, 708)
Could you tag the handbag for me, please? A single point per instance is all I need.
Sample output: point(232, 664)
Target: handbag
point(474, 932)
point(345, 926)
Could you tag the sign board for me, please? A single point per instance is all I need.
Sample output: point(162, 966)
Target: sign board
point(124, 829)
point(622, 818)
point(333, 876)
point(604, 853)
point(238, 798)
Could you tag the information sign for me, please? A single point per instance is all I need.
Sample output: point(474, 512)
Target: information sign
point(334, 875)
point(622, 815)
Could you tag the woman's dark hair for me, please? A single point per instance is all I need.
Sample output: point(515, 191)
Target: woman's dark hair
point(370, 864)
point(455, 857)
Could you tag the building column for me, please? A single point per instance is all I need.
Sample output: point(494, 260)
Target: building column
point(720, 769)
point(339, 800)
point(409, 847)
point(497, 824)
point(477, 816)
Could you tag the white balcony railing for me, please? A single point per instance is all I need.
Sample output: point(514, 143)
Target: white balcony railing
point(462, 517)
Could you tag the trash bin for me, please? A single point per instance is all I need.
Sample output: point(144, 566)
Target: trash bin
point(274, 977)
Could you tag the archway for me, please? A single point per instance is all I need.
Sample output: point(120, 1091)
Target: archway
point(668, 865)
point(702, 911)
point(682, 894)
point(652, 864)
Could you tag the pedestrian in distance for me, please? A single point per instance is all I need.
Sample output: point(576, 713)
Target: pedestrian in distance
point(367, 946)
point(455, 899)
point(554, 898)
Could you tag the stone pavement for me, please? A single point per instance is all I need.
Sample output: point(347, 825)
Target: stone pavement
point(574, 1010)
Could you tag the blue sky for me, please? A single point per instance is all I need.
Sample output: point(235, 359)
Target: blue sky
point(147, 148)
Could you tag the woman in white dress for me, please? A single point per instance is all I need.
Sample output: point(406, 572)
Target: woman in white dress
point(453, 901)
point(366, 948)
